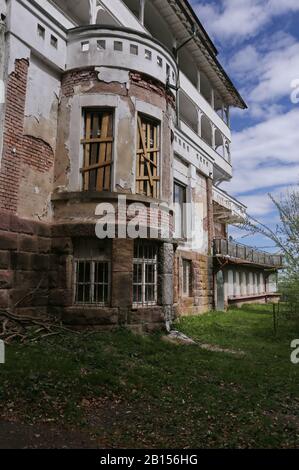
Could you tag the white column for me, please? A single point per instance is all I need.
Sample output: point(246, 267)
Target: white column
point(200, 114)
point(213, 98)
point(250, 284)
point(213, 136)
point(261, 283)
point(93, 11)
point(230, 282)
point(237, 284)
point(225, 279)
point(243, 284)
point(141, 11)
point(255, 283)
point(198, 81)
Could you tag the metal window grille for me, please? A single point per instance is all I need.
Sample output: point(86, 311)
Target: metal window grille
point(97, 143)
point(92, 282)
point(145, 275)
point(148, 156)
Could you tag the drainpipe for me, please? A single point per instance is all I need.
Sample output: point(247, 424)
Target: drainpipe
point(178, 86)
point(2, 87)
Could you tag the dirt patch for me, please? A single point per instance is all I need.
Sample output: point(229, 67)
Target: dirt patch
point(15, 435)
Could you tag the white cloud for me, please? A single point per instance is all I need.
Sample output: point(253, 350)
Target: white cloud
point(265, 156)
point(277, 70)
point(275, 140)
point(236, 19)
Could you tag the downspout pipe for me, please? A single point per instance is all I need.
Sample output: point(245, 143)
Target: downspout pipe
point(178, 85)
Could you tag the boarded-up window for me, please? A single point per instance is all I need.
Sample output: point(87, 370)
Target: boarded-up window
point(148, 156)
point(97, 144)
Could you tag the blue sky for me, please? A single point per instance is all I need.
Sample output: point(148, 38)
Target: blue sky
point(258, 43)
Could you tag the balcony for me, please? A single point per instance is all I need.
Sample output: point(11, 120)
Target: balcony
point(117, 48)
point(205, 105)
point(242, 254)
point(211, 140)
point(226, 208)
point(221, 166)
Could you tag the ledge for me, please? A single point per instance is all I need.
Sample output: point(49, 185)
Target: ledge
point(87, 196)
point(254, 296)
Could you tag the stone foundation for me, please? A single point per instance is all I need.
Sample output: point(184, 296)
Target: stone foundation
point(37, 276)
point(201, 299)
point(25, 258)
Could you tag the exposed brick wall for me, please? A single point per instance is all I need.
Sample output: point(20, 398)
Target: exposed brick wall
point(150, 85)
point(37, 154)
point(89, 77)
point(13, 134)
point(75, 78)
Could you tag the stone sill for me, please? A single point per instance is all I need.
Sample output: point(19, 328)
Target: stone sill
point(87, 196)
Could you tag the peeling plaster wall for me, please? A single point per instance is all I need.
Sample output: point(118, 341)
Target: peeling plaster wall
point(40, 131)
point(43, 89)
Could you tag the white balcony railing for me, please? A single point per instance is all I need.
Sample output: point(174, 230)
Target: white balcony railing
point(185, 147)
point(205, 149)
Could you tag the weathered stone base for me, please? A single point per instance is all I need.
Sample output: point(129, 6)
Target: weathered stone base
point(25, 259)
point(37, 276)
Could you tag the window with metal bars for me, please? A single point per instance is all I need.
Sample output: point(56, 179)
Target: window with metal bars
point(92, 282)
point(97, 145)
point(180, 200)
point(187, 278)
point(145, 274)
point(148, 157)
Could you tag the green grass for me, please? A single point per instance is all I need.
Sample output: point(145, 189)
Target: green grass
point(144, 392)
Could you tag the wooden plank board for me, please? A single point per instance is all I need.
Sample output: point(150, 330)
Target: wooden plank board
point(87, 150)
point(102, 152)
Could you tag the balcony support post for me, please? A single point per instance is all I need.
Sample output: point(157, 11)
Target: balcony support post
point(141, 11)
point(213, 98)
point(230, 281)
point(237, 284)
point(199, 123)
point(213, 136)
point(243, 284)
point(93, 11)
point(198, 81)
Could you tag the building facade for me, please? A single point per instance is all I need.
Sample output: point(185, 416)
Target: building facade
point(114, 139)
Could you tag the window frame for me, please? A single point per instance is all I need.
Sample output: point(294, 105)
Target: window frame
point(148, 157)
point(187, 282)
point(92, 284)
point(143, 261)
point(183, 216)
point(104, 154)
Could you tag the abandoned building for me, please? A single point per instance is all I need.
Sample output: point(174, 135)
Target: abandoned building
point(109, 100)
